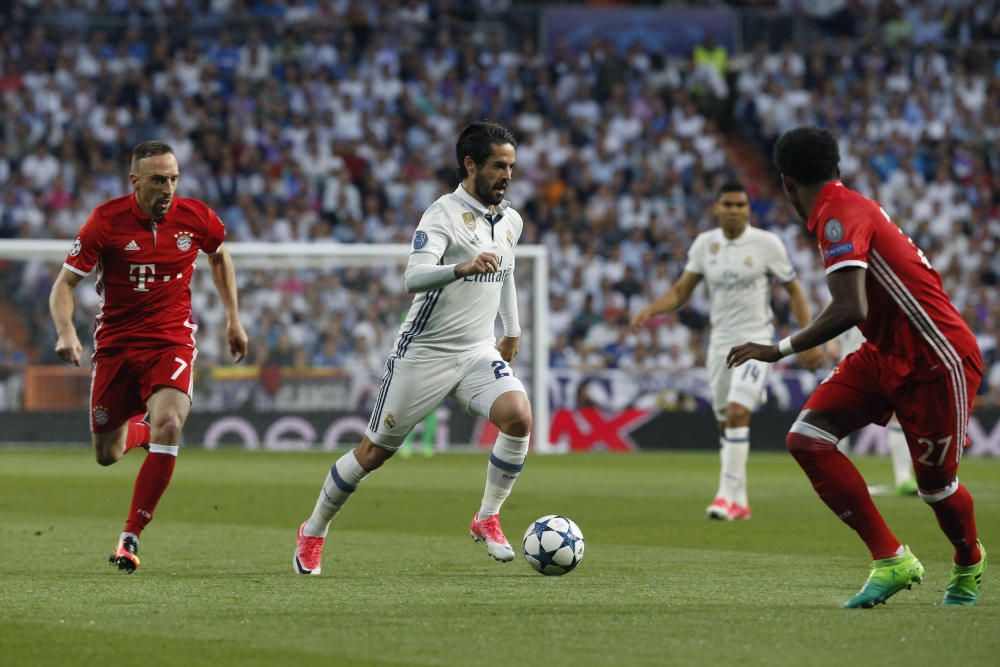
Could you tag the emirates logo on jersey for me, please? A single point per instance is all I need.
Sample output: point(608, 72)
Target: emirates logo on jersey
point(183, 241)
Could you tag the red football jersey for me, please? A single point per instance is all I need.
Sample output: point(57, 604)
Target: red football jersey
point(144, 269)
point(909, 315)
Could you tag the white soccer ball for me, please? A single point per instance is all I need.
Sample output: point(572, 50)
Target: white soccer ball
point(553, 544)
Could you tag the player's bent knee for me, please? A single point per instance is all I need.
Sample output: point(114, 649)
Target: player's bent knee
point(109, 448)
point(371, 456)
point(518, 426)
point(798, 443)
point(167, 429)
point(935, 490)
point(106, 458)
point(511, 413)
point(737, 415)
point(805, 439)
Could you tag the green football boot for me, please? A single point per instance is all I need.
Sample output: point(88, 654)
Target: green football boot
point(965, 581)
point(888, 577)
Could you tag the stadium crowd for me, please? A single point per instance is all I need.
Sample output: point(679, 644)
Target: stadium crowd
point(308, 121)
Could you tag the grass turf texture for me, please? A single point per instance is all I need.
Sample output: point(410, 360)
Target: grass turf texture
point(403, 584)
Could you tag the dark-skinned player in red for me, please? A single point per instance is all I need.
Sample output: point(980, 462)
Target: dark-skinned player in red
point(920, 361)
point(144, 246)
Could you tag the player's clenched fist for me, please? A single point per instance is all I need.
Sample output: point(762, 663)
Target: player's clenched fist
point(486, 262)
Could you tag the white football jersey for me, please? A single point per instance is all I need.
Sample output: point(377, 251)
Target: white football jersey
point(462, 314)
point(738, 274)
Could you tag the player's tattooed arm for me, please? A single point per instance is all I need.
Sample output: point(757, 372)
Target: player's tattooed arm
point(68, 346)
point(848, 308)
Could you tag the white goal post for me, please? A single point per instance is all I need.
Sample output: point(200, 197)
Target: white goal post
point(262, 255)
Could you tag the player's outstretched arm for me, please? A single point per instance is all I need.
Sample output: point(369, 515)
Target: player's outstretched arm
point(848, 308)
point(813, 357)
point(675, 297)
point(61, 309)
point(224, 277)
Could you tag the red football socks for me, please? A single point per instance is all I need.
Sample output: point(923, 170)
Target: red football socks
point(137, 436)
point(841, 487)
point(958, 521)
point(151, 482)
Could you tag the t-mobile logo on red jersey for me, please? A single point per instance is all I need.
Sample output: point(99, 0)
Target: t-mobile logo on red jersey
point(137, 273)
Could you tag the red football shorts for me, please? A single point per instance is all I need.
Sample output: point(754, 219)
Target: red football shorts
point(123, 379)
point(932, 405)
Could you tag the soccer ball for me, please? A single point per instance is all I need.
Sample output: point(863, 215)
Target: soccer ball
point(553, 544)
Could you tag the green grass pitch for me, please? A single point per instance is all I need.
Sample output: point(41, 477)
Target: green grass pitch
point(403, 584)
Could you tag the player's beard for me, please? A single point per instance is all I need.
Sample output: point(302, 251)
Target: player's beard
point(487, 193)
point(733, 228)
point(162, 205)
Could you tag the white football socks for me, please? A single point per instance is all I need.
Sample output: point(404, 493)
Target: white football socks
point(340, 483)
point(735, 448)
point(506, 462)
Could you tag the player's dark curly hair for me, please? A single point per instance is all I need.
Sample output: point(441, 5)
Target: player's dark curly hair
point(808, 154)
point(149, 149)
point(476, 141)
point(729, 187)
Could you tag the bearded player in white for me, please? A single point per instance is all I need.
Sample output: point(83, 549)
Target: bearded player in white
point(461, 270)
point(737, 261)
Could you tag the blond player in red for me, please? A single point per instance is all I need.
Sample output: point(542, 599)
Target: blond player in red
point(920, 361)
point(143, 247)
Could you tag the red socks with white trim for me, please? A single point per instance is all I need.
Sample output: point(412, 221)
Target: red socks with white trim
point(150, 483)
point(841, 487)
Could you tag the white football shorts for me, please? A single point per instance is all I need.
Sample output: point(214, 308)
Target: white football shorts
point(745, 385)
point(413, 386)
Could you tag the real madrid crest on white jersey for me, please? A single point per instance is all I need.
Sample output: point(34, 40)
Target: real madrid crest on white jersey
point(455, 229)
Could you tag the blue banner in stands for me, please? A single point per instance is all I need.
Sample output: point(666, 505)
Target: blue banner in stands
point(672, 32)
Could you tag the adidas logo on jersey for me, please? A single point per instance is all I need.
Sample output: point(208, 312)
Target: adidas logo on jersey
point(132, 245)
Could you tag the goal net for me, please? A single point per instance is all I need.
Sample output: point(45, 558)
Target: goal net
point(321, 318)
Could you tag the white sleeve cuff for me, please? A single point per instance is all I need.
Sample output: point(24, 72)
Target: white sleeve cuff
point(82, 274)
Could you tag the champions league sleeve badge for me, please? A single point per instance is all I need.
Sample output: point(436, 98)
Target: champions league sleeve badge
point(833, 230)
point(419, 239)
point(75, 249)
